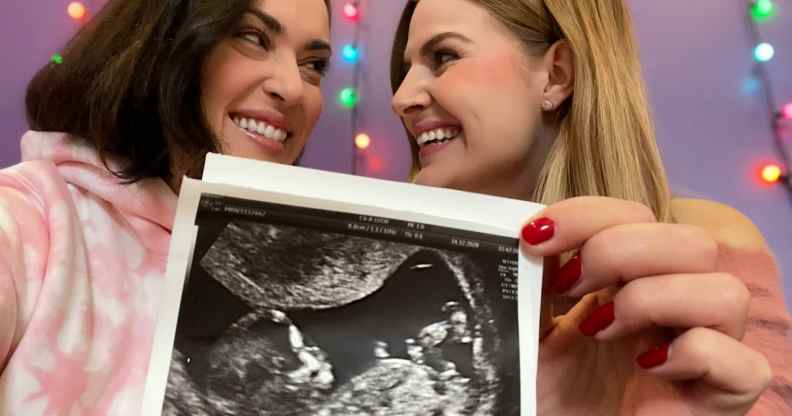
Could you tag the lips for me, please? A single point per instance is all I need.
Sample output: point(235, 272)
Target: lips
point(427, 151)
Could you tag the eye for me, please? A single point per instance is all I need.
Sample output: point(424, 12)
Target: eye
point(318, 66)
point(314, 69)
point(256, 37)
point(443, 57)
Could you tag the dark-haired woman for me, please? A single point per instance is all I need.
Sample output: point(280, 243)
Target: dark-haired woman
point(145, 91)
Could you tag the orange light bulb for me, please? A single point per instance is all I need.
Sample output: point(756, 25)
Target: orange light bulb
point(76, 10)
point(771, 173)
point(362, 141)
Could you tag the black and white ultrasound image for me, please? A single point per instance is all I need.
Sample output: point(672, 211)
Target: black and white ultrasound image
point(286, 320)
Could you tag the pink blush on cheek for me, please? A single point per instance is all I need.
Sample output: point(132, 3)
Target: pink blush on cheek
point(471, 85)
point(505, 68)
point(499, 69)
point(477, 90)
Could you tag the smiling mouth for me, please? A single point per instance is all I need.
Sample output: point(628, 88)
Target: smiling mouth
point(438, 136)
point(261, 129)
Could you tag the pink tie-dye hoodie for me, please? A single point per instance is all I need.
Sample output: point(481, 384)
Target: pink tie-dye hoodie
point(82, 261)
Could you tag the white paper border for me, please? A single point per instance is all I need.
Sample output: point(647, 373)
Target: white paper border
point(250, 179)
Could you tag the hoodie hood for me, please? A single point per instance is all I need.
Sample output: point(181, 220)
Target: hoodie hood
point(149, 201)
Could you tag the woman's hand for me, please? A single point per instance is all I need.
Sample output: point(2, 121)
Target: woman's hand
point(655, 329)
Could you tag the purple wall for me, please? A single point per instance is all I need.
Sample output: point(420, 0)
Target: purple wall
point(696, 56)
point(30, 32)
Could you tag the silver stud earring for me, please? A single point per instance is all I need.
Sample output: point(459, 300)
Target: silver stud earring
point(548, 105)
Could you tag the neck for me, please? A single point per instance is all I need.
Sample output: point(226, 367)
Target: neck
point(524, 182)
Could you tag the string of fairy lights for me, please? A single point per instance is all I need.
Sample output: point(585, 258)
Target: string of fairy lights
point(349, 97)
point(78, 12)
point(761, 12)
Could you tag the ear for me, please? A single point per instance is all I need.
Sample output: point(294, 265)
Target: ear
point(560, 65)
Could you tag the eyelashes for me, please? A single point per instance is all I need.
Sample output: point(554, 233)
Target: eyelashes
point(438, 60)
point(442, 57)
point(256, 37)
point(260, 39)
point(318, 66)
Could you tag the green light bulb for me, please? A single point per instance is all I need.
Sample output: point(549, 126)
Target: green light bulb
point(762, 10)
point(348, 97)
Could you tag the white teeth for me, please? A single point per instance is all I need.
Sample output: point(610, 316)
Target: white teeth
point(261, 128)
point(437, 134)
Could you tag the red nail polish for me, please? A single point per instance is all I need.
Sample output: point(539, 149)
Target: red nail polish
point(568, 275)
point(654, 357)
point(600, 319)
point(538, 231)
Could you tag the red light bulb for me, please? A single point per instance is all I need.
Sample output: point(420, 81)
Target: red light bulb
point(786, 112)
point(352, 12)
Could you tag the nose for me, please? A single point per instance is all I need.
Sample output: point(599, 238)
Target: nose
point(413, 94)
point(286, 83)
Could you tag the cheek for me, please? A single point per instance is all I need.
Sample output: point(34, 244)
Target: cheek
point(488, 75)
point(227, 77)
point(485, 92)
point(216, 90)
point(314, 105)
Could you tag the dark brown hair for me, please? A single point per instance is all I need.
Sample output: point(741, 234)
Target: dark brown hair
point(130, 83)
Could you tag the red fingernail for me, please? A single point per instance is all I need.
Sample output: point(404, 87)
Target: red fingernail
point(568, 275)
point(600, 319)
point(654, 357)
point(538, 231)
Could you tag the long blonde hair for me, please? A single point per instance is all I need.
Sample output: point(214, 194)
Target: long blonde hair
point(606, 143)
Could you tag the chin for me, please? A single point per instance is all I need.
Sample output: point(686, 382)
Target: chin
point(437, 178)
point(465, 183)
point(426, 178)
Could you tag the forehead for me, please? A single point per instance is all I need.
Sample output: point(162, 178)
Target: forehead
point(300, 18)
point(437, 16)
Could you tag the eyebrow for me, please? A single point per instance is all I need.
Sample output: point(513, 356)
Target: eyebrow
point(273, 25)
point(427, 47)
point(318, 45)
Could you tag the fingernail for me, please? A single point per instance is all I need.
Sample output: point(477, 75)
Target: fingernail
point(568, 275)
point(654, 357)
point(538, 231)
point(600, 319)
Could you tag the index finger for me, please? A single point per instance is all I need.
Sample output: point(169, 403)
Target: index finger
point(566, 225)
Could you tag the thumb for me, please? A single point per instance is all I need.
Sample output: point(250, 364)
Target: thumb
point(549, 274)
point(555, 305)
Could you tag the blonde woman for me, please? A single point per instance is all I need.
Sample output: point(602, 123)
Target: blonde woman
point(666, 306)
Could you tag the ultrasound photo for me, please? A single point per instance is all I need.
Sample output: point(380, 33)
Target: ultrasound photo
point(295, 311)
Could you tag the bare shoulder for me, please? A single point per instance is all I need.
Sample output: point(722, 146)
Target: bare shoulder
point(728, 225)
